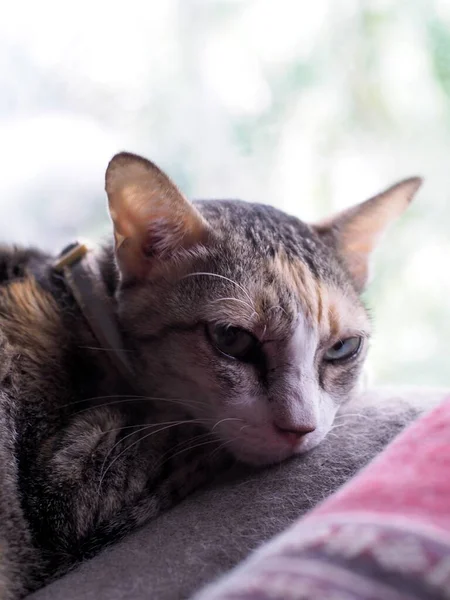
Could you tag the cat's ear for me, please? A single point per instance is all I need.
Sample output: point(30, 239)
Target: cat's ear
point(355, 232)
point(153, 221)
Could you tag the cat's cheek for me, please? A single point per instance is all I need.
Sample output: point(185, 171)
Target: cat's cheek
point(327, 414)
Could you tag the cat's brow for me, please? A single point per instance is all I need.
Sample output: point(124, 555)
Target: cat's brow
point(237, 300)
point(277, 307)
point(199, 273)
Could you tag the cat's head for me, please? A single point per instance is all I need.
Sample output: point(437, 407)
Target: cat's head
point(247, 316)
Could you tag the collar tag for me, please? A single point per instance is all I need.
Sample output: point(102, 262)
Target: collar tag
point(71, 255)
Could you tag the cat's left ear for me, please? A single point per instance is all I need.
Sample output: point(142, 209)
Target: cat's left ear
point(153, 222)
point(355, 232)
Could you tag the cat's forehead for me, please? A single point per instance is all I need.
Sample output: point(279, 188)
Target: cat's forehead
point(263, 231)
point(286, 273)
point(272, 296)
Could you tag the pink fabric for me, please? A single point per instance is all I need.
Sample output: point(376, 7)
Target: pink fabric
point(384, 536)
point(411, 478)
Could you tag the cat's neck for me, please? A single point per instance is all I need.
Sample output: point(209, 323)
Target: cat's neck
point(110, 378)
point(93, 282)
point(87, 364)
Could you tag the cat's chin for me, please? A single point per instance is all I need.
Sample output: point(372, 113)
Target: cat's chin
point(262, 457)
point(259, 460)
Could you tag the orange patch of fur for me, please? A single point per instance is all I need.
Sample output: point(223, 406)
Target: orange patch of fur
point(297, 276)
point(29, 318)
point(331, 311)
point(345, 314)
point(328, 309)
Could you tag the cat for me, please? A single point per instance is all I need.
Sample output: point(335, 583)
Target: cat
point(243, 330)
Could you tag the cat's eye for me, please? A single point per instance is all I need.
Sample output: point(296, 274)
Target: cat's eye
point(232, 341)
point(344, 349)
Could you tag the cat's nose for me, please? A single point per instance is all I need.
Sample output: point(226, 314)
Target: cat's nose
point(293, 434)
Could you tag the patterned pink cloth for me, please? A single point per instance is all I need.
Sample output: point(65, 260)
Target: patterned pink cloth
point(384, 536)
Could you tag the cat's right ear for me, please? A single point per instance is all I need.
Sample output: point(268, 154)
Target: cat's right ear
point(355, 232)
point(153, 222)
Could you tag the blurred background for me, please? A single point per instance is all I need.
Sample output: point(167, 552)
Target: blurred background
point(309, 106)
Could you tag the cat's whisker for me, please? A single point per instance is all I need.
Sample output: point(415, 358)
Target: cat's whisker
point(237, 300)
point(181, 444)
point(174, 424)
point(189, 441)
point(198, 273)
point(102, 474)
point(221, 447)
point(352, 416)
point(224, 420)
point(105, 349)
point(338, 426)
point(143, 426)
point(227, 442)
point(214, 440)
point(126, 399)
point(111, 403)
point(184, 445)
point(182, 401)
point(130, 398)
point(156, 424)
point(127, 427)
point(279, 307)
point(345, 423)
point(344, 414)
point(187, 449)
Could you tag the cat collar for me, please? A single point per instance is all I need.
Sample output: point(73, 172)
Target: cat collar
point(82, 276)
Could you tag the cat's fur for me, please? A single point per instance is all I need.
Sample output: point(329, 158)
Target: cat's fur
point(82, 462)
